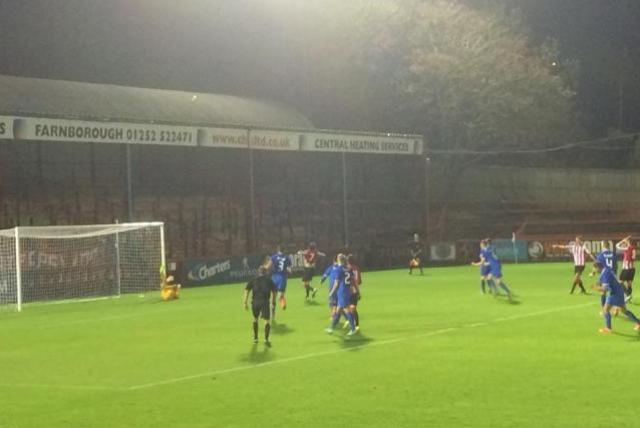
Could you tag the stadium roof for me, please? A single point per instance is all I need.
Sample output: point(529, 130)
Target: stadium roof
point(90, 101)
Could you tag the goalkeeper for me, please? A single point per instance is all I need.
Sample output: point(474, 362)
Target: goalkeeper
point(416, 258)
point(168, 290)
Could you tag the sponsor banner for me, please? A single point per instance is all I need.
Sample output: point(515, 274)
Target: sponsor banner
point(328, 142)
point(225, 270)
point(42, 129)
point(223, 137)
point(274, 140)
point(545, 251)
point(6, 128)
point(510, 251)
point(102, 132)
point(443, 252)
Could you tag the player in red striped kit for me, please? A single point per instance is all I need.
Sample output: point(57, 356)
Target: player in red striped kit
point(628, 268)
point(310, 257)
point(356, 282)
point(578, 249)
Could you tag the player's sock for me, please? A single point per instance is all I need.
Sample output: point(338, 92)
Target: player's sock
point(273, 310)
point(267, 330)
point(335, 320)
point(421, 272)
point(356, 318)
point(505, 288)
point(607, 320)
point(632, 316)
point(255, 330)
point(573, 287)
point(492, 286)
point(307, 290)
point(603, 300)
point(581, 285)
point(482, 286)
point(352, 325)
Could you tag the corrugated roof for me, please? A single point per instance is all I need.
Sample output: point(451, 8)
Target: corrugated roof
point(90, 101)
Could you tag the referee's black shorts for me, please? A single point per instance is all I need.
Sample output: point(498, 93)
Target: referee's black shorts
point(261, 310)
point(578, 269)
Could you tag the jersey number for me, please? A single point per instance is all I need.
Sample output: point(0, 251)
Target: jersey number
point(347, 278)
point(609, 263)
point(281, 265)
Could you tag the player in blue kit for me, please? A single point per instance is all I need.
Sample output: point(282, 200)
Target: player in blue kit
point(280, 264)
point(607, 259)
point(332, 273)
point(495, 270)
point(613, 291)
point(485, 270)
point(342, 289)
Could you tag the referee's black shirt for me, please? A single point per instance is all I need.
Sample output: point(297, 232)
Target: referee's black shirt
point(261, 289)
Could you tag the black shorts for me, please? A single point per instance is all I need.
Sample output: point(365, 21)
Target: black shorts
point(578, 269)
point(307, 275)
point(353, 300)
point(628, 274)
point(261, 310)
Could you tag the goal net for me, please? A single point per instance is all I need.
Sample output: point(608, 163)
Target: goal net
point(58, 263)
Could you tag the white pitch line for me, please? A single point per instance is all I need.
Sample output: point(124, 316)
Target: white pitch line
point(62, 386)
point(336, 351)
point(285, 360)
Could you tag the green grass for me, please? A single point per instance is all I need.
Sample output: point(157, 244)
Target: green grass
point(422, 359)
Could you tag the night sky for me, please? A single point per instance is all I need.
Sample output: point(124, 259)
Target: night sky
point(236, 47)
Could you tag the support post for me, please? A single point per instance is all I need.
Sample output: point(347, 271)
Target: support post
point(345, 200)
point(18, 270)
point(427, 163)
point(129, 185)
point(252, 197)
point(163, 254)
point(118, 281)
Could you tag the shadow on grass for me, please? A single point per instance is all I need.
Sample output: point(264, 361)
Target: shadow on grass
point(281, 329)
point(513, 301)
point(257, 355)
point(311, 303)
point(355, 342)
point(633, 337)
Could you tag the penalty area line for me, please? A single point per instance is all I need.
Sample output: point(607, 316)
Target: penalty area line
point(336, 351)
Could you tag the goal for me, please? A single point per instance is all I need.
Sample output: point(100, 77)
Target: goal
point(67, 263)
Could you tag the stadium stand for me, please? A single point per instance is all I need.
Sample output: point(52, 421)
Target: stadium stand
point(200, 193)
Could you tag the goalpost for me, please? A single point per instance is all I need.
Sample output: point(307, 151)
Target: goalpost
point(60, 263)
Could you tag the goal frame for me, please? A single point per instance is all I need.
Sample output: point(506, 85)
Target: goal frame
point(17, 249)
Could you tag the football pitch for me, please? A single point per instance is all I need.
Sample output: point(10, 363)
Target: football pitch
point(433, 352)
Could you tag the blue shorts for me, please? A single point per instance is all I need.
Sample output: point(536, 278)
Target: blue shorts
point(615, 300)
point(485, 270)
point(496, 271)
point(333, 301)
point(344, 298)
point(280, 281)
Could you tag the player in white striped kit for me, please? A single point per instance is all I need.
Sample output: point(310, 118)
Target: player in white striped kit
point(578, 250)
point(628, 269)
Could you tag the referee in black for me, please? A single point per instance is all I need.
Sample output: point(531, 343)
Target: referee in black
point(262, 291)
